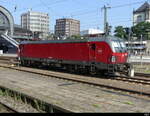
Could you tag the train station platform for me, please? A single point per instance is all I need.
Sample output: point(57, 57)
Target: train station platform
point(9, 55)
point(144, 59)
point(72, 96)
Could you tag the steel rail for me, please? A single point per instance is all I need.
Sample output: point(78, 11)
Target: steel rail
point(143, 74)
point(9, 108)
point(15, 58)
point(133, 80)
point(83, 81)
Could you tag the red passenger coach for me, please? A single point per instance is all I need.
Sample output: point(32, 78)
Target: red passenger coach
point(93, 55)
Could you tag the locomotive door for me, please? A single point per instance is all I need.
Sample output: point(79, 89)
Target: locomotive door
point(92, 53)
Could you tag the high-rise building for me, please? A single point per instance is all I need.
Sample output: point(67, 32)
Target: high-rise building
point(37, 22)
point(142, 14)
point(67, 27)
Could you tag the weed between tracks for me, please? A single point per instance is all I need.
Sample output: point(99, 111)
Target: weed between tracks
point(129, 103)
point(35, 103)
point(142, 68)
point(96, 105)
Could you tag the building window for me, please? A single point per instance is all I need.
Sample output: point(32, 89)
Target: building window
point(139, 18)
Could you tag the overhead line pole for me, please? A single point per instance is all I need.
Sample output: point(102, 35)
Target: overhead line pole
point(105, 20)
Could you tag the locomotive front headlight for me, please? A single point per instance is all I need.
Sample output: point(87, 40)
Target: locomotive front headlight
point(113, 59)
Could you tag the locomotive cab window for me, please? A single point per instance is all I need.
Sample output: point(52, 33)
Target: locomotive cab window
point(93, 46)
point(119, 46)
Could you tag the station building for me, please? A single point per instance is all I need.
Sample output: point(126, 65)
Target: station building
point(139, 47)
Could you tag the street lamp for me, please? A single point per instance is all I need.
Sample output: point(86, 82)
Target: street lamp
point(141, 48)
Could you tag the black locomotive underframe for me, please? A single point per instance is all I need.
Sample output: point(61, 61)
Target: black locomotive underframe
point(100, 66)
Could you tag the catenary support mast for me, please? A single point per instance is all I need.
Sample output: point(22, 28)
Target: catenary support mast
point(106, 26)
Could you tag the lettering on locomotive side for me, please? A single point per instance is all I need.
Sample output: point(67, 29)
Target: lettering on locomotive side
point(100, 51)
point(50, 57)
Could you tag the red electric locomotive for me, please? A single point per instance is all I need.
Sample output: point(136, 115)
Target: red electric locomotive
point(99, 54)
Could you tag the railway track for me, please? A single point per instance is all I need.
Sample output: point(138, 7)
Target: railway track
point(9, 109)
point(141, 78)
point(106, 83)
point(13, 60)
point(8, 59)
point(134, 80)
point(142, 74)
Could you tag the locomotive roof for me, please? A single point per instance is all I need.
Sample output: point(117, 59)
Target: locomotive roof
point(92, 39)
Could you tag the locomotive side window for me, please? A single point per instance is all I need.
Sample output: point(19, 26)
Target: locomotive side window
point(93, 46)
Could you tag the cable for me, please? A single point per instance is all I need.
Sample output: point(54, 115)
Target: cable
point(118, 6)
point(121, 21)
point(110, 22)
point(123, 5)
point(79, 14)
point(38, 5)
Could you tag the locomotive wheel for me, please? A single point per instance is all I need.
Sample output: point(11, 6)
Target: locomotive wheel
point(22, 63)
point(93, 71)
point(71, 69)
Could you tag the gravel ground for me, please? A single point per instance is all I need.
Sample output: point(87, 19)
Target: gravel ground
point(71, 95)
point(4, 110)
point(18, 105)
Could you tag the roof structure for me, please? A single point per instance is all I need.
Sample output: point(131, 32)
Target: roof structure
point(112, 38)
point(9, 16)
point(143, 8)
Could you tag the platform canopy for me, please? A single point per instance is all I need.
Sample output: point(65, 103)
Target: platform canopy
point(6, 21)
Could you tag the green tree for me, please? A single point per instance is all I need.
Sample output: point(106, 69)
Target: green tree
point(143, 29)
point(74, 37)
point(120, 32)
point(52, 36)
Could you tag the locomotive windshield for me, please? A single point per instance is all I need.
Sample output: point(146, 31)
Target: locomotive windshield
point(119, 46)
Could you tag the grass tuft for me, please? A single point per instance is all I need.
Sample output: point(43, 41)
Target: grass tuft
point(129, 103)
point(96, 105)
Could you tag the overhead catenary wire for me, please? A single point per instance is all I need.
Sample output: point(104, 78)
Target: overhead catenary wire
point(78, 13)
point(98, 9)
point(113, 20)
point(39, 5)
point(98, 24)
point(81, 13)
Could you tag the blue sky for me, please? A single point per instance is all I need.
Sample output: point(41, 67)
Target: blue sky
point(87, 11)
